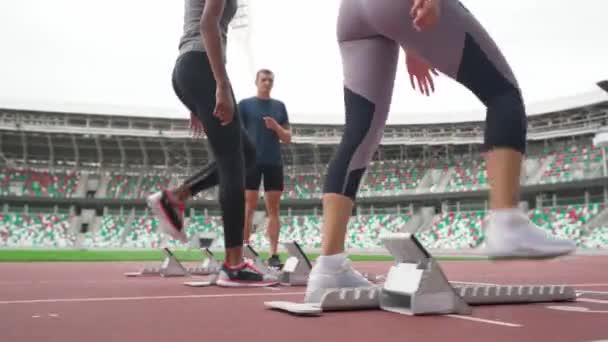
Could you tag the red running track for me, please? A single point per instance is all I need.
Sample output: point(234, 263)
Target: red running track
point(94, 302)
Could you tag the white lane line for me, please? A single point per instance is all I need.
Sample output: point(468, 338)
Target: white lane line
point(592, 292)
point(271, 288)
point(579, 309)
point(589, 300)
point(36, 316)
point(53, 315)
point(142, 298)
point(488, 321)
point(588, 285)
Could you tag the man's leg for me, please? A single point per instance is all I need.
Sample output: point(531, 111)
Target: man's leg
point(273, 189)
point(252, 184)
point(462, 49)
point(251, 203)
point(273, 200)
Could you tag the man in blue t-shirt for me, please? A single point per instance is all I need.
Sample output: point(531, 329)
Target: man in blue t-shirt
point(267, 124)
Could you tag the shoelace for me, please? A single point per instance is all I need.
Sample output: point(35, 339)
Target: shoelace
point(347, 267)
point(250, 265)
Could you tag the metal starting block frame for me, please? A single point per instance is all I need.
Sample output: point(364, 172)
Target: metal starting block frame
point(416, 285)
point(250, 253)
point(170, 267)
point(210, 264)
point(296, 269)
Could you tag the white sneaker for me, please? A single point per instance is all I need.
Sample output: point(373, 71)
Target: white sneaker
point(170, 217)
point(245, 275)
point(322, 279)
point(519, 237)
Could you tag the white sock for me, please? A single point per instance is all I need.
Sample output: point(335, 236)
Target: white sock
point(330, 262)
point(503, 217)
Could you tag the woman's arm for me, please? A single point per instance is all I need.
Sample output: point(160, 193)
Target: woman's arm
point(210, 33)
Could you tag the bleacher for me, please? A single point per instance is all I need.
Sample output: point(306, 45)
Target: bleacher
point(450, 230)
point(597, 239)
point(566, 221)
point(152, 184)
point(570, 163)
point(455, 231)
point(468, 175)
point(123, 187)
point(562, 163)
point(554, 163)
point(36, 183)
point(35, 230)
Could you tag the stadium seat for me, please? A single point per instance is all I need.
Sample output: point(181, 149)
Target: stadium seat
point(37, 183)
point(468, 175)
point(36, 230)
point(123, 187)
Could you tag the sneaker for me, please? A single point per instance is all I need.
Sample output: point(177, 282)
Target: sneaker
point(244, 275)
point(170, 215)
point(521, 238)
point(275, 262)
point(321, 279)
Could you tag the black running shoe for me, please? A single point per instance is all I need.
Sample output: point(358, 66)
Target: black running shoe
point(275, 262)
point(244, 275)
point(170, 216)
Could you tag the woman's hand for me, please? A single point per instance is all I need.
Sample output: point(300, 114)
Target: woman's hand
point(421, 70)
point(224, 104)
point(425, 14)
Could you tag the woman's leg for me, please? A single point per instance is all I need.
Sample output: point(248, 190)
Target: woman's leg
point(369, 66)
point(461, 48)
point(194, 78)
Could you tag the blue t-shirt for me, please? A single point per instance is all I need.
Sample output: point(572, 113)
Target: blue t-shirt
point(266, 141)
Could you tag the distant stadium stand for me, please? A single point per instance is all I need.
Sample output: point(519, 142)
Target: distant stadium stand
point(49, 167)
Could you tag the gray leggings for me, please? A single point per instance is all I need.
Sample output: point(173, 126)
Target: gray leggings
point(370, 33)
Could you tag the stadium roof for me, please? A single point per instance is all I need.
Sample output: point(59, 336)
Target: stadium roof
point(537, 108)
point(544, 107)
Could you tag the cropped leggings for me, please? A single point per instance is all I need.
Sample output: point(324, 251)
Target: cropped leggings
point(370, 33)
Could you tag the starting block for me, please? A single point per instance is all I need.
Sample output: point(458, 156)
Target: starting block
point(250, 253)
point(170, 267)
point(210, 264)
point(416, 285)
point(211, 280)
point(297, 267)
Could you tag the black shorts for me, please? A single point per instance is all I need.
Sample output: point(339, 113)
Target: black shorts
point(273, 178)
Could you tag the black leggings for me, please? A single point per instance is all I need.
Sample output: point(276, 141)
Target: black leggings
point(195, 86)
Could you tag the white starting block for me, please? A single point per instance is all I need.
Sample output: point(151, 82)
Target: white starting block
point(296, 269)
point(210, 264)
point(416, 285)
point(250, 253)
point(210, 281)
point(170, 267)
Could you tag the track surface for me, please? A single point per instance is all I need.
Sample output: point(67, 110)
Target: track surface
point(95, 302)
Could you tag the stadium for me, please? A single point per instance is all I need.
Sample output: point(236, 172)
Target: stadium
point(65, 189)
point(74, 221)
